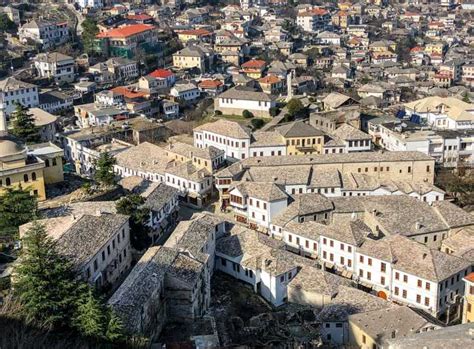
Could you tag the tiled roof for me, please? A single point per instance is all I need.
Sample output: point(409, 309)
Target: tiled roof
point(161, 73)
point(126, 31)
point(254, 63)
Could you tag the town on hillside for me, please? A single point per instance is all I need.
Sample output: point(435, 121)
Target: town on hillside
point(237, 174)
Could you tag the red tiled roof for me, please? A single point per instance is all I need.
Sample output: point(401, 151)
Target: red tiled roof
point(142, 17)
point(127, 93)
point(210, 84)
point(416, 49)
point(314, 12)
point(269, 79)
point(254, 63)
point(126, 31)
point(197, 32)
point(470, 277)
point(161, 73)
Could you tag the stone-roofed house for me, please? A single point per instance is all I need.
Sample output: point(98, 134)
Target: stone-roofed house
point(104, 239)
point(13, 91)
point(237, 99)
point(375, 328)
point(354, 139)
point(199, 57)
point(171, 282)
point(55, 65)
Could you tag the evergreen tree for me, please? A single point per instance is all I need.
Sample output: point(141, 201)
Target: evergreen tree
point(132, 205)
point(17, 207)
point(295, 107)
point(46, 283)
point(24, 125)
point(90, 319)
point(104, 169)
point(114, 330)
point(89, 32)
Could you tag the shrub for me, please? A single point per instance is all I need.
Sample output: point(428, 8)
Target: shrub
point(257, 123)
point(246, 114)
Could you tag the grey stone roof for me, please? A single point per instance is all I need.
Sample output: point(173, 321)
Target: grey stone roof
point(52, 57)
point(226, 128)
point(394, 322)
point(245, 94)
point(452, 215)
point(348, 132)
point(160, 196)
point(453, 337)
point(12, 84)
point(298, 129)
point(145, 157)
point(268, 192)
point(88, 235)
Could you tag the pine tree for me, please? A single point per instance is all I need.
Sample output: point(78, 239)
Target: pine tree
point(17, 207)
point(90, 318)
point(89, 32)
point(46, 283)
point(104, 169)
point(114, 330)
point(24, 125)
point(132, 205)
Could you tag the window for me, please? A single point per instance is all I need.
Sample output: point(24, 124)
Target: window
point(364, 339)
point(95, 265)
point(361, 259)
point(223, 262)
point(342, 247)
point(324, 241)
point(33, 176)
point(349, 249)
point(382, 280)
point(342, 260)
point(103, 255)
point(369, 261)
point(331, 243)
point(25, 177)
point(369, 275)
point(419, 283)
point(404, 294)
point(349, 263)
point(8, 181)
point(418, 298)
point(361, 273)
point(383, 267)
point(396, 291)
point(405, 278)
point(427, 301)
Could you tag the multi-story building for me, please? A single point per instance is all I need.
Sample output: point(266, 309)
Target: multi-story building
point(13, 91)
point(170, 282)
point(237, 99)
point(115, 69)
point(448, 113)
point(199, 57)
point(128, 40)
point(46, 34)
point(313, 19)
point(105, 254)
point(55, 66)
point(468, 306)
point(151, 162)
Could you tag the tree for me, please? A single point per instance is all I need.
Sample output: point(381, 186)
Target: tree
point(257, 123)
point(132, 205)
point(45, 281)
point(17, 207)
point(89, 32)
point(90, 318)
point(114, 330)
point(295, 107)
point(24, 125)
point(247, 114)
point(6, 25)
point(104, 169)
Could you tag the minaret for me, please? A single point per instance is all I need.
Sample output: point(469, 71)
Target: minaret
point(3, 120)
point(289, 89)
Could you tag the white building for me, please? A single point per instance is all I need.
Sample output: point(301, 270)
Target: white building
point(354, 140)
point(314, 19)
point(46, 34)
point(229, 136)
point(185, 92)
point(55, 66)
point(448, 113)
point(106, 253)
point(13, 91)
point(238, 99)
point(95, 4)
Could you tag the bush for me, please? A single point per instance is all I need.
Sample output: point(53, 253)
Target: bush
point(246, 114)
point(257, 123)
point(274, 111)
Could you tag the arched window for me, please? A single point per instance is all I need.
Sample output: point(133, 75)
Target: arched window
point(25, 177)
point(33, 176)
point(8, 181)
point(46, 162)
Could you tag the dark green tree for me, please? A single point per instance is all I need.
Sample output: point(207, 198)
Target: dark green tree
point(89, 32)
point(295, 107)
point(17, 207)
point(132, 205)
point(114, 330)
point(90, 317)
point(247, 114)
point(24, 125)
point(104, 169)
point(6, 25)
point(45, 281)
